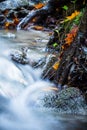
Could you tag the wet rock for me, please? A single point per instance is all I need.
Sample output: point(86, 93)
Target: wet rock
point(19, 14)
point(12, 4)
point(86, 96)
point(24, 56)
point(69, 100)
point(47, 69)
point(40, 63)
point(2, 19)
point(11, 14)
point(22, 13)
point(19, 57)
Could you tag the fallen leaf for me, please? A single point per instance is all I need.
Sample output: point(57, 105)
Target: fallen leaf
point(38, 27)
point(38, 6)
point(71, 17)
point(56, 65)
point(70, 37)
point(9, 25)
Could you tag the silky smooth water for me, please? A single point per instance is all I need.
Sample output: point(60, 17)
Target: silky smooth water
point(21, 87)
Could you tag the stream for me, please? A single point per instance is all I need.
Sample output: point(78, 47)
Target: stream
point(21, 86)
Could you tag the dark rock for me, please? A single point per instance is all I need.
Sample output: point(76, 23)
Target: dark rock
point(40, 63)
point(53, 39)
point(20, 57)
point(2, 19)
point(2, 0)
point(19, 14)
point(86, 96)
point(69, 100)
point(22, 13)
point(11, 14)
point(47, 69)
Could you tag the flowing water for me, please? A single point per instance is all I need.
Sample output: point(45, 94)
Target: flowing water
point(20, 87)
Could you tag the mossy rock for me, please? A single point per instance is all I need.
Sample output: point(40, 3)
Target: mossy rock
point(69, 100)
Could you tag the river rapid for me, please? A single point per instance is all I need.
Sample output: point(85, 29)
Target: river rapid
point(21, 85)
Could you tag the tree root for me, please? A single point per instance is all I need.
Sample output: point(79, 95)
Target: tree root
point(46, 10)
point(51, 7)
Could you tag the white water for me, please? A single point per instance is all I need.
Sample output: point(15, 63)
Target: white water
point(20, 91)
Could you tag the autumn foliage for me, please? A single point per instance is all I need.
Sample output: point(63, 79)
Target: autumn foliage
point(12, 24)
point(70, 37)
point(72, 16)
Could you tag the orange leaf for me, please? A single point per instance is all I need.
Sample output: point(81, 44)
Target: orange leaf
point(70, 37)
point(73, 15)
point(56, 65)
point(9, 24)
point(38, 6)
point(38, 27)
point(16, 21)
point(34, 19)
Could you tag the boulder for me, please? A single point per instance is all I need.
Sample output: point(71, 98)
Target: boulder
point(19, 57)
point(69, 100)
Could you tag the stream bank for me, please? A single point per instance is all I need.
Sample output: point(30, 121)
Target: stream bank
point(27, 95)
point(23, 94)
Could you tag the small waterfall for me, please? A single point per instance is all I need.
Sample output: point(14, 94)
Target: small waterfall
point(20, 89)
point(21, 94)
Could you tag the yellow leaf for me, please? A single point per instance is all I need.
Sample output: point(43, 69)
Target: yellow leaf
point(9, 25)
point(16, 21)
point(71, 17)
point(56, 65)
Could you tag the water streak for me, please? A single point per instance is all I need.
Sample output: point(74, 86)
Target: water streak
point(21, 89)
